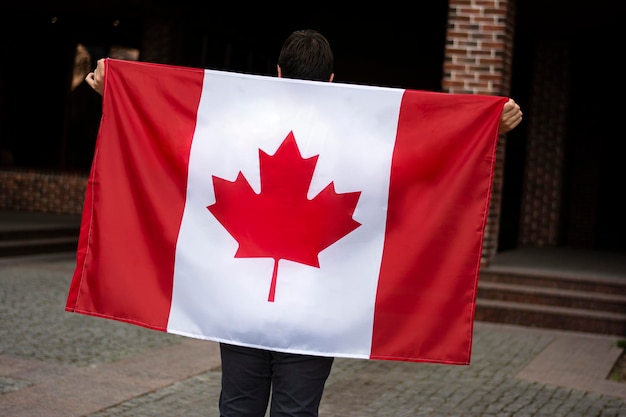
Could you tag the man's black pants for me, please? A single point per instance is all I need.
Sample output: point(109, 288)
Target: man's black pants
point(249, 376)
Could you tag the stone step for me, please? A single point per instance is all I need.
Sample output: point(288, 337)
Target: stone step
point(586, 282)
point(30, 233)
point(576, 301)
point(40, 232)
point(550, 317)
point(557, 297)
point(26, 247)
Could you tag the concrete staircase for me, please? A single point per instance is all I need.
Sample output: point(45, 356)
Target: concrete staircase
point(543, 288)
point(28, 234)
point(586, 303)
point(36, 243)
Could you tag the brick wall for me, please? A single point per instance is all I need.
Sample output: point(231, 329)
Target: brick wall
point(61, 193)
point(545, 147)
point(42, 192)
point(157, 41)
point(478, 60)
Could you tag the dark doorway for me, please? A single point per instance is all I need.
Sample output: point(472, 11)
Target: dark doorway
point(44, 129)
point(591, 208)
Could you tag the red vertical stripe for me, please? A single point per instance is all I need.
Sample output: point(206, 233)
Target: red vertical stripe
point(136, 193)
point(439, 194)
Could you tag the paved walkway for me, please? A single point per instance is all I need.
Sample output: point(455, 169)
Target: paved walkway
point(59, 364)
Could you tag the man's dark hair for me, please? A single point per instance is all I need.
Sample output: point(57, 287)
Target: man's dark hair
point(306, 54)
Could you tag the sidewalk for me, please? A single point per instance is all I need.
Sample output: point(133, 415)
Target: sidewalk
point(54, 363)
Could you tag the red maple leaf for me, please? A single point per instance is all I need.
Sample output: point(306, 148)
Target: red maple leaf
point(281, 222)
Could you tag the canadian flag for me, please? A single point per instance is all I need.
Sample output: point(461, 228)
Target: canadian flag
point(307, 217)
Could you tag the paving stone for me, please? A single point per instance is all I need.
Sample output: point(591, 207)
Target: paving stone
point(55, 363)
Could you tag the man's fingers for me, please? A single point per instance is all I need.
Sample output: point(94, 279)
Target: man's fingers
point(511, 116)
point(510, 106)
point(95, 83)
point(90, 79)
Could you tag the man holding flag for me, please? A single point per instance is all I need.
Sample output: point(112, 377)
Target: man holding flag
point(286, 369)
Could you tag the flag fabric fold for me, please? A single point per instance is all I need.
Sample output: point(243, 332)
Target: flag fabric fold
point(307, 217)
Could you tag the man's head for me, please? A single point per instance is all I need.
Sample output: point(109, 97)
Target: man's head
point(306, 54)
